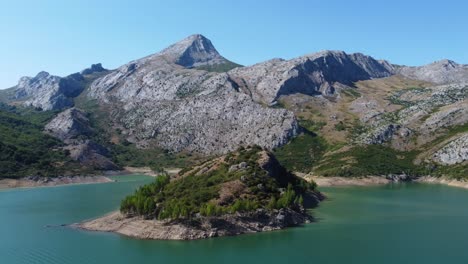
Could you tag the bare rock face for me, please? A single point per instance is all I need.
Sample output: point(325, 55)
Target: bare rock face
point(91, 154)
point(193, 51)
point(69, 124)
point(72, 127)
point(93, 69)
point(157, 99)
point(316, 74)
point(454, 152)
point(48, 92)
point(210, 124)
point(439, 72)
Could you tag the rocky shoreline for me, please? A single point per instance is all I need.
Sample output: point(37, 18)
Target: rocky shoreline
point(197, 228)
point(380, 180)
point(35, 181)
point(444, 181)
point(346, 181)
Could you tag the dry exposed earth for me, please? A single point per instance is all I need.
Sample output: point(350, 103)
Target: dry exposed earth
point(42, 182)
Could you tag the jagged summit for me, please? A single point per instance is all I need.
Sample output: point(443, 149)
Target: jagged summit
point(194, 51)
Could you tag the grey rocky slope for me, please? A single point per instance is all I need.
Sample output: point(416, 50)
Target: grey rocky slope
point(161, 99)
point(73, 128)
point(439, 72)
point(454, 152)
point(316, 74)
point(427, 111)
point(157, 99)
point(49, 92)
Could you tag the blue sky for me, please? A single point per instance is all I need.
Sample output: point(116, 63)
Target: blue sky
point(63, 37)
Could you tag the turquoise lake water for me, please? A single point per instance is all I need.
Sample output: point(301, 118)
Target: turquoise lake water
point(407, 223)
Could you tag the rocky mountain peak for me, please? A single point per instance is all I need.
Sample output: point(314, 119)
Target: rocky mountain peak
point(193, 51)
point(93, 69)
point(42, 74)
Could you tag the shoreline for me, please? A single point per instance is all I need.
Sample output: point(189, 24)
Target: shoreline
point(443, 181)
point(336, 181)
point(33, 182)
point(198, 228)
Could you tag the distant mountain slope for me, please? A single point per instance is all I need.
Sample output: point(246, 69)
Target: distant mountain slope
point(321, 112)
point(49, 92)
point(317, 74)
point(439, 72)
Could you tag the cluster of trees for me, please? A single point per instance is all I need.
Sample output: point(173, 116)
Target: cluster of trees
point(25, 149)
point(143, 202)
point(288, 199)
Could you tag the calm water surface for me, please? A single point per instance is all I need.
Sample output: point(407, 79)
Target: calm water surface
point(412, 223)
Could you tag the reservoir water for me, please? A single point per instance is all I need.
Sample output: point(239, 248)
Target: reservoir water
point(403, 223)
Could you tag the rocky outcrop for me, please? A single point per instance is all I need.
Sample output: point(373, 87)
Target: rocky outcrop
point(198, 228)
point(73, 128)
point(193, 51)
point(316, 74)
point(95, 68)
point(439, 72)
point(69, 124)
point(48, 92)
point(454, 152)
point(91, 154)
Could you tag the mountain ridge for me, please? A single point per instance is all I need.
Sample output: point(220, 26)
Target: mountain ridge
point(188, 98)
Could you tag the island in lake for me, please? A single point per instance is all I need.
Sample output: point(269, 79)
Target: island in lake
point(245, 191)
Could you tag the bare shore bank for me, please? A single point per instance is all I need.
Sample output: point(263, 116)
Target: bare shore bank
point(29, 182)
point(442, 180)
point(344, 181)
point(198, 228)
point(379, 180)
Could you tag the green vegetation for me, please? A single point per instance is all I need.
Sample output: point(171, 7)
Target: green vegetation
point(458, 172)
point(311, 125)
point(24, 149)
point(198, 192)
point(302, 153)
point(225, 67)
point(340, 126)
point(128, 154)
point(369, 160)
point(6, 94)
point(353, 93)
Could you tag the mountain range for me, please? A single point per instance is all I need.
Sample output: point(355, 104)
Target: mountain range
point(320, 113)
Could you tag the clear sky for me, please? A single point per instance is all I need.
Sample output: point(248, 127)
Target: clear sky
point(63, 37)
